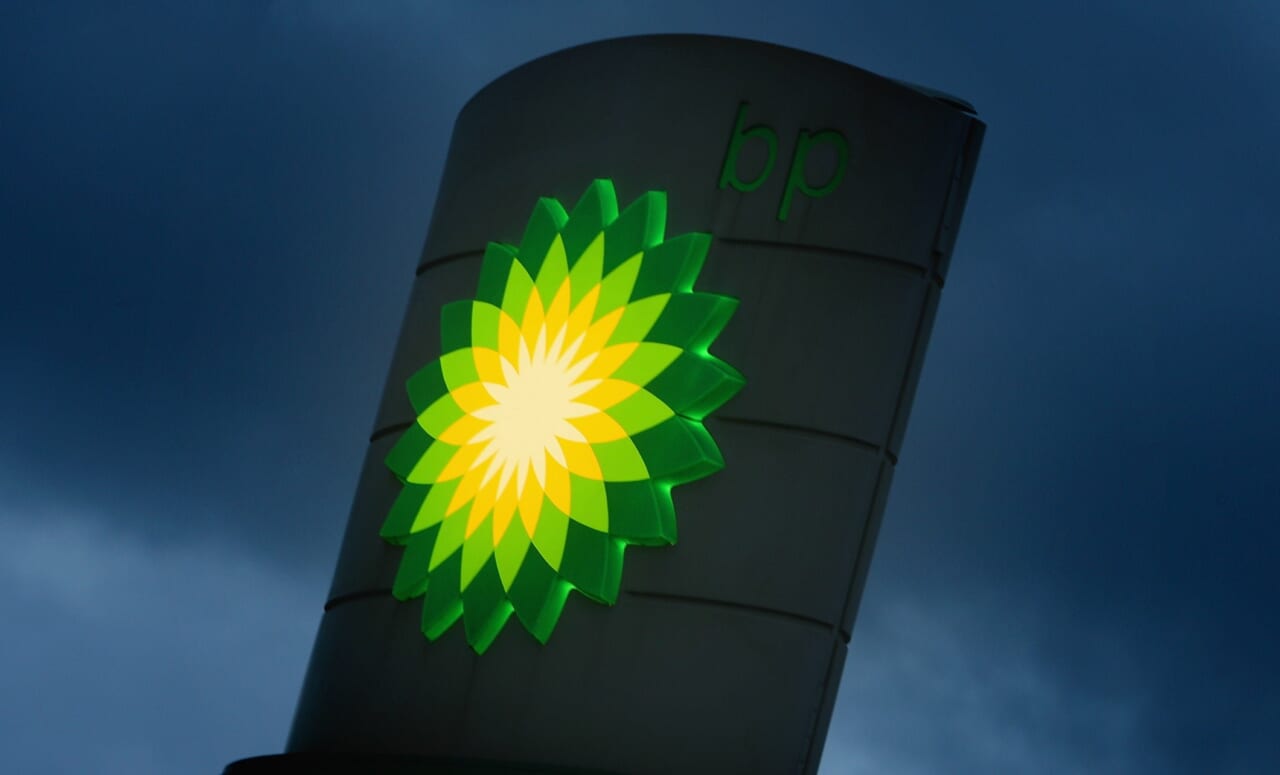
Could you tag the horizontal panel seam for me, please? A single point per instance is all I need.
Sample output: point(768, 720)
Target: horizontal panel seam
point(351, 597)
point(808, 431)
point(387, 430)
point(759, 609)
point(895, 263)
point(445, 259)
point(383, 593)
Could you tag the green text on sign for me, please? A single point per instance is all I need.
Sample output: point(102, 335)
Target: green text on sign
point(797, 172)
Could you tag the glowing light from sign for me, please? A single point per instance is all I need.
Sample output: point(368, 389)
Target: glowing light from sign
point(567, 403)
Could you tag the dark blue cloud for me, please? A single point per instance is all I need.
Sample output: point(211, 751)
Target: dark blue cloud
point(127, 656)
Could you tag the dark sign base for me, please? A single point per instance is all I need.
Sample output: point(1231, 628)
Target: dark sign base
point(381, 764)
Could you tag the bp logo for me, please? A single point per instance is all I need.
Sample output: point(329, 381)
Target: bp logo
point(567, 404)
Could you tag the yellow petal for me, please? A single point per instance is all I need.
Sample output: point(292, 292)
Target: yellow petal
point(598, 334)
point(608, 360)
point(558, 311)
point(558, 485)
point(581, 460)
point(582, 315)
point(534, 318)
point(467, 489)
point(598, 427)
point(606, 394)
point(481, 506)
point(508, 338)
point(531, 506)
point(488, 365)
point(503, 510)
point(472, 396)
point(464, 430)
point(462, 461)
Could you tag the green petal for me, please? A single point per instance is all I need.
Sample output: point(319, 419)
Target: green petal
point(511, 551)
point(553, 272)
point(434, 507)
point(592, 563)
point(620, 461)
point(484, 608)
point(494, 271)
point(411, 579)
point(453, 531)
point(638, 228)
point(639, 412)
point(545, 223)
point(615, 288)
point(588, 504)
point(693, 320)
point(477, 548)
point(484, 325)
point(426, 385)
point(516, 295)
point(597, 208)
point(437, 418)
point(641, 513)
point(638, 317)
point(679, 450)
point(455, 326)
point(432, 463)
point(408, 451)
point(673, 265)
point(587, 272)
point(459, 368)
point(538, 596)
point(695, 385)
point(647, 362)
point(443, 602)
point(548, 537)
point(399, 522)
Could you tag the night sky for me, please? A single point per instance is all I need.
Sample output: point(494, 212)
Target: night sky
point(210, 214)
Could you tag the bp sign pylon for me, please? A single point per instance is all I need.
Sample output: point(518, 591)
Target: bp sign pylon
point(624, 483)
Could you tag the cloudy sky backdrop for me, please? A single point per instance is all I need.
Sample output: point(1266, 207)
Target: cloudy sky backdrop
point(210, 214)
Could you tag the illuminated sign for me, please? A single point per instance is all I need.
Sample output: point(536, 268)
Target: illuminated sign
point(567, 403)
point(797, 173)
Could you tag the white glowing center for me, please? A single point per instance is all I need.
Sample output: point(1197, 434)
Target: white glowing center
point(532, 411)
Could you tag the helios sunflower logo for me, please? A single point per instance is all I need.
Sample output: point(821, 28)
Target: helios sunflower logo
point(566, 405)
